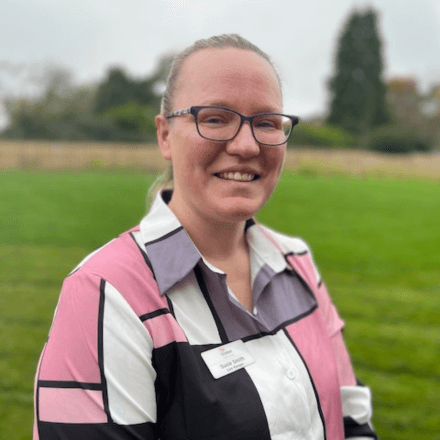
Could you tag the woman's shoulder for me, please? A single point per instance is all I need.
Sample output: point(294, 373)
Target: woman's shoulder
point(289, 244)
point(298, 254)
point(119, 269)
point(121, 259)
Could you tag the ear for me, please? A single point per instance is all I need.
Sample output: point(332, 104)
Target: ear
point(163, 133)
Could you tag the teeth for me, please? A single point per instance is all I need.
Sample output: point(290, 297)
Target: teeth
point(237, 176)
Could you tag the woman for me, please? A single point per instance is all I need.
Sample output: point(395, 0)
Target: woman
point(199, 323)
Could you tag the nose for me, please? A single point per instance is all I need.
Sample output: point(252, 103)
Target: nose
point(244, 143)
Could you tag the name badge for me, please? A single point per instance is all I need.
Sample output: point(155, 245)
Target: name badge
point(227, 358)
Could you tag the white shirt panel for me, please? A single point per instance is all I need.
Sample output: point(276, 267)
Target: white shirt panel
point(188, 303)
point(285, 389)
point(127, 359)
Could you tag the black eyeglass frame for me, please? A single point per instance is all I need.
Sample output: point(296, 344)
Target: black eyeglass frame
point(194, 110)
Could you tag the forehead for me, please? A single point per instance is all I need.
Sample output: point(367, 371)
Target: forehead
point(229, 75)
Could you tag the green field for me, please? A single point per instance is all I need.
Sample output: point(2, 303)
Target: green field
point(376, 242)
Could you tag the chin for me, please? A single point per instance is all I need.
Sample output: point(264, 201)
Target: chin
point(239, 210)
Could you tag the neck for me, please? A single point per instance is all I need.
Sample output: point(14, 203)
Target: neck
point(216, 240)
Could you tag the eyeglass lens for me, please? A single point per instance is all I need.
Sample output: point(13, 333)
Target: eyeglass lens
point(219, 124)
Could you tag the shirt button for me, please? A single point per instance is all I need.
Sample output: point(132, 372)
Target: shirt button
point(291, 374)
point(255, 311)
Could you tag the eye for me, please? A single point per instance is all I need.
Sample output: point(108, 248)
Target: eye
point(265, 124)
point(268, 122)
point(215, 117)
point(214, 120)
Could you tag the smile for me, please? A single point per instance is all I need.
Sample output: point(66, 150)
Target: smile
point(239, 177)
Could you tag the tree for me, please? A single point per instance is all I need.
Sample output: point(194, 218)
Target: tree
point(119, 89)
point(119, 108)
point(60, 110)
point(358, 93)
point(116, 90)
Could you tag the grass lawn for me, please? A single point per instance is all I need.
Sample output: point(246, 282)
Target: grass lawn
point(376, 243)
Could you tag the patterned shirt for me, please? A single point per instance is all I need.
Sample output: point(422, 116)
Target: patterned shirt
point(149, 342)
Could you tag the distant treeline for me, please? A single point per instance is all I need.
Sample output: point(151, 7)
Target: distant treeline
point(364, 111)
point(120, 108)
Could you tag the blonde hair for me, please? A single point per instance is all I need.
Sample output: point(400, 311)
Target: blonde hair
point(216, 42)
point(165, 179)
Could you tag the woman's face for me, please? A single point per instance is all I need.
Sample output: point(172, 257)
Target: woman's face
point(239, 80)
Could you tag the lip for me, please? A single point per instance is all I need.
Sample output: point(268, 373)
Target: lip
point(241, 171)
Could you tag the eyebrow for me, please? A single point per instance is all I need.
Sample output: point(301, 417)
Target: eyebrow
point(262, 110)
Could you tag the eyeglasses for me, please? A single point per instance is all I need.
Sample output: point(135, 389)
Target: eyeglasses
point(222, 124)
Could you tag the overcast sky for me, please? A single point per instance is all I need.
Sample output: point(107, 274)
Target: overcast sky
point(88, 36)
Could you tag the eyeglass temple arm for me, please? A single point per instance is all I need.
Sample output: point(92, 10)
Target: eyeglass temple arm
point(185, 111)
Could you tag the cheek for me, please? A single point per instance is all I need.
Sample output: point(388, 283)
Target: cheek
point(276, 161)
point(191, 163)
point(181, 153)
